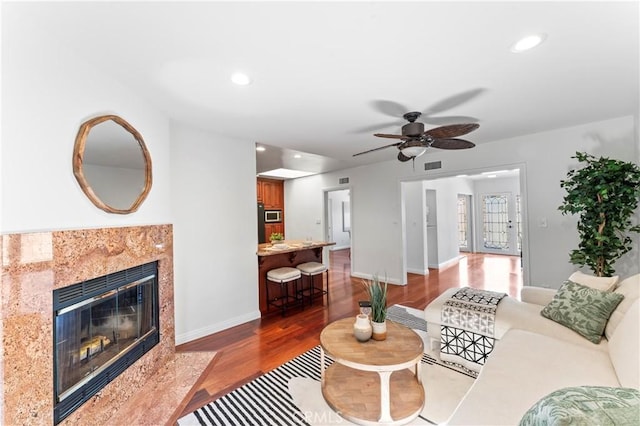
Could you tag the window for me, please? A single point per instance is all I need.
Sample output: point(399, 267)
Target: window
point(463, 240)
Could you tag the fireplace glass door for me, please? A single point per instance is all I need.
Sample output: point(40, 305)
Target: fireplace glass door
point(92, 334)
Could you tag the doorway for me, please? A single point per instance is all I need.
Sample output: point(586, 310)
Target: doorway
point(499, 228)
point(479, 212)
point(338, 218)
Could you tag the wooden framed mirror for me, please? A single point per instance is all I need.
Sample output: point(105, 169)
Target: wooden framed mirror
point(112, 164)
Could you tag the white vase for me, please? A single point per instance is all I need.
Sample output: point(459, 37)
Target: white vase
point(362, 328)
point(379, 331)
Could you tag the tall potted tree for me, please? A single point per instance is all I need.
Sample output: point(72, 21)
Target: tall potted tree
point(605, 194)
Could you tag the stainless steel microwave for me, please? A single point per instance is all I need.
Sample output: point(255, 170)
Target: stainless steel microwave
point(273, 215)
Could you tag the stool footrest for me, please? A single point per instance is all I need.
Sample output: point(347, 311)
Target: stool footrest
point(284, 298)
point(310, 290)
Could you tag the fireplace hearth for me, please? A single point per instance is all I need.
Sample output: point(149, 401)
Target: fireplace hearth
point(101, 327)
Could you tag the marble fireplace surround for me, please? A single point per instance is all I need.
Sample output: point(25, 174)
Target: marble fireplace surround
point(151, 391)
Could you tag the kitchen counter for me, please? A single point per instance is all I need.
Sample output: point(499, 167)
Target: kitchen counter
point(295, 253)
point(268, 249)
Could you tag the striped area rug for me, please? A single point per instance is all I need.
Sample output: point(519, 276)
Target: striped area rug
point(266, 400)
point(263, 401)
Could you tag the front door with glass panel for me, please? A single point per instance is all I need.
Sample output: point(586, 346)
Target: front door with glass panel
point(499, 230)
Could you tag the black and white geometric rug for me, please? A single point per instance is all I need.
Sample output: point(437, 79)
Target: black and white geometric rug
point(268, 400)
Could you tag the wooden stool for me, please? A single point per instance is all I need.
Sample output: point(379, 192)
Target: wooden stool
point(281, 277)
point(311, 270)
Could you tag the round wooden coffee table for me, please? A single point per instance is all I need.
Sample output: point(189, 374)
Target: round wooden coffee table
point(375, 382)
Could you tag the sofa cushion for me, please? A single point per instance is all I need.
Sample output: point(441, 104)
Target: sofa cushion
point(586, 406)
point(624, 347)
point(599, 283)
point(523, 368)
point(537, 295)
point(511, 313)
point(582, 309)
point(630, 289)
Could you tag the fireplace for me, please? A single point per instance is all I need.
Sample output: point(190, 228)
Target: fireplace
point(101, 327)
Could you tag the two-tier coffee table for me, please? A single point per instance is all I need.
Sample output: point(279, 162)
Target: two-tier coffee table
point(375, 382)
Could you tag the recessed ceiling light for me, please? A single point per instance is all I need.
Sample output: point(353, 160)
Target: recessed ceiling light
point(492, 176)
point(260, 148)
point(528, 42)
point(240, 79)
point(297, 156)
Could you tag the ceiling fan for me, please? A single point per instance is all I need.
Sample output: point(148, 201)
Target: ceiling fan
point(415, 140)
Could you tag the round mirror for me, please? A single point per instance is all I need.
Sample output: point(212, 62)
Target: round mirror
point(112, 164)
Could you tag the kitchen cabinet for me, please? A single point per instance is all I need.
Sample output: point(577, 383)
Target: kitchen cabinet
point(259, 191)
point(271, 193)
point(270, 228)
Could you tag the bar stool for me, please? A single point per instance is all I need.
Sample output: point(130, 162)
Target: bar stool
point(281, 277)
point(311, 270)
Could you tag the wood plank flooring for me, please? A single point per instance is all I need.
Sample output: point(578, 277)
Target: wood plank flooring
point(249, 350)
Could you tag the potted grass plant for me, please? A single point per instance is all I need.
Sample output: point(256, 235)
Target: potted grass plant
point(276, 238)
point(377, 292)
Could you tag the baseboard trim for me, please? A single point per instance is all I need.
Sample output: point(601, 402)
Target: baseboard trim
point(447, 263)
point(370, 276)
point(214, 328)
point(418, 271)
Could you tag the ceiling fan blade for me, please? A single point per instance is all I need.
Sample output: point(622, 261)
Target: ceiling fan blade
point(385, 135)
point(451, 131)
point(449, 119)
point(453, 101)
point(452, 144)
point(378, 149)
point(375, 127)
point(403, 157)
point(391, 108)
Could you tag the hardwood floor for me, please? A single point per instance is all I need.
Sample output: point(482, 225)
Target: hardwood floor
point(254, 348)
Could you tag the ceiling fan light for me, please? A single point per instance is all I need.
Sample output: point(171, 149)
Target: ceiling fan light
point(414, 151)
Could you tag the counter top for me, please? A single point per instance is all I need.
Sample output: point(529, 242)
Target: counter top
point(268, 249)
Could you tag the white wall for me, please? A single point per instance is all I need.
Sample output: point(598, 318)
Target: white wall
point(375, 196)
point(415, 227)
point(447, 191)
point(305, 214)
point(47, 92)
point(215, 232)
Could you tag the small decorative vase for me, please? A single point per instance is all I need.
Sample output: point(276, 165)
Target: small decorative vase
point(362, 328)
point(379, 330)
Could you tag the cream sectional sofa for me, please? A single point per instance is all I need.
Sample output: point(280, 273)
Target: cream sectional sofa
point(534, 356)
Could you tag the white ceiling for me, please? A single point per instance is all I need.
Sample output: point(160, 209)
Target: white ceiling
point(319, 67)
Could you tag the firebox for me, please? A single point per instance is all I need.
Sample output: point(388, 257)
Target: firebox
point(101, 327)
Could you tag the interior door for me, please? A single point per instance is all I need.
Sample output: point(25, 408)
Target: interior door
point(498, 227)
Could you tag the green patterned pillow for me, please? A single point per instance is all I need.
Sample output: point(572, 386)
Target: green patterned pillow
point(583, 309)
point(586, 406)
